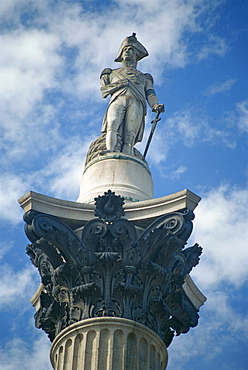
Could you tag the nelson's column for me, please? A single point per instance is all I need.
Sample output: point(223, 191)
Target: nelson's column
point(115, 285)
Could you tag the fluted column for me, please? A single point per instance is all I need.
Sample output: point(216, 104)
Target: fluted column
point(108, 343)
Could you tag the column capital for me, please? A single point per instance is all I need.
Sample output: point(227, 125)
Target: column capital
point(108, 268)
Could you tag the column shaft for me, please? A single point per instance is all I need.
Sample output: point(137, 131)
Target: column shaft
point(108, 343)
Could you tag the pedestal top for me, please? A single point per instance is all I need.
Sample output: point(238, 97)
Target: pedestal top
point(123, 174)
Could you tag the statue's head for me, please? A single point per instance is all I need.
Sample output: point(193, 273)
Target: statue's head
point(131, 46)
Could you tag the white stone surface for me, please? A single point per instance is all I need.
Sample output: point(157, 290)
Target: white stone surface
point(194, 294)
point(35, 300)
point(140, 213)
point(126, 175)
point(108, 343)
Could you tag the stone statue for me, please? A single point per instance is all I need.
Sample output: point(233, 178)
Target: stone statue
point(129, 89)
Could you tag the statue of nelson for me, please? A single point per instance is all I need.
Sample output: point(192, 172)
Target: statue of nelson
point(129, 90)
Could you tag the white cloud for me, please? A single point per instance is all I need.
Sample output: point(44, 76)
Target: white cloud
point(19, 354)
point(60, 177)
point(221, 87)
point(220, 303)
point(158, 149)
point(184, 126)
point(178, 172)
point(25, 139)
point(29, 65)
point(242, 120)
point(63, 174)
point(63, 48)
point(5, 247)
point(9, 11)
point(17, 287)
point(96, 44)
point(215, 46)
point(12, 187)
point(219, 329)
point(220, 227)
point(70, 25)
point(189, 126)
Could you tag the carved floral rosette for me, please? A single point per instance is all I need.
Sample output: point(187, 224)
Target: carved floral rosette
point(106, 270)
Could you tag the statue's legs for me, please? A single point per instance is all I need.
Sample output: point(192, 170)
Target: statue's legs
point(125, 114)
point(133, 122)
point(115, 116)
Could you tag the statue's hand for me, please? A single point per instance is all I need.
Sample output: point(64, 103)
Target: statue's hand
point(158, 108)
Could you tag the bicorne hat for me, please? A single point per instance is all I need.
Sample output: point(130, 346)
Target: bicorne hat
point(132, 41)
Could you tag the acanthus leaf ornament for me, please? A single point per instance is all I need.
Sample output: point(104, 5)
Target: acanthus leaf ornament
point(107, 270)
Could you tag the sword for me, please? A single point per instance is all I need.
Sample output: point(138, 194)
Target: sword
point(154, 124)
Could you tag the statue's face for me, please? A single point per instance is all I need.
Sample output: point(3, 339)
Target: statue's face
point(129, 54)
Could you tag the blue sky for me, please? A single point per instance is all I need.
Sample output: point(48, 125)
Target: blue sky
point(52, 53)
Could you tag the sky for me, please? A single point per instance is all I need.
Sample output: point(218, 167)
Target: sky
point(52, 54)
